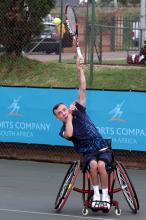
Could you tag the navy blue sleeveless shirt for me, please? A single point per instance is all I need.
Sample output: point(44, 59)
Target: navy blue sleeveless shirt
point(86, 138)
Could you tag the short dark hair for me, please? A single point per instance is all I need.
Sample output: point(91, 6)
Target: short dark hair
point(56, 107)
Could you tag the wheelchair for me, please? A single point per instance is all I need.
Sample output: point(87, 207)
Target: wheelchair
point(116, 172)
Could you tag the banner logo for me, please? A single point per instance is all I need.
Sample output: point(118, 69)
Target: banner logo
point(14, 107)
point(117, 112)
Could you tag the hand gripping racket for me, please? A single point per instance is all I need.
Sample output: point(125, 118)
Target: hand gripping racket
point(72, 26)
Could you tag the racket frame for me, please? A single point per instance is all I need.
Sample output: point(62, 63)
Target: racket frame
point(74, 33)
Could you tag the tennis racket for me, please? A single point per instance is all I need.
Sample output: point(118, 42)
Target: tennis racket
point(72, 26)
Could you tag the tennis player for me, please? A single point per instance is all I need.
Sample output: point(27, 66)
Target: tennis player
point(78, 128)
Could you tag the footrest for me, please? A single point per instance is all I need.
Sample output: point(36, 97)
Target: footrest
point(101, 205)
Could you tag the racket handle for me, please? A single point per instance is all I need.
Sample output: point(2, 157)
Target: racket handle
point(80, 54)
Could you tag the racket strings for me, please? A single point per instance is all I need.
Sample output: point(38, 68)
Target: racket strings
point(68, 27)
point(72, 26)
point(71, 20)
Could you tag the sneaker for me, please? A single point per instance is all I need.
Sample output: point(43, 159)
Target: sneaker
point(106, 201)
point(96, 202)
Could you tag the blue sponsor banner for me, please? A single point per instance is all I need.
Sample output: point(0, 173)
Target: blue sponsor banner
point(26, 116)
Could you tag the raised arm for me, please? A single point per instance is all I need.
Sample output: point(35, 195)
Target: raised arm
point(81, 82)
point(68, 132)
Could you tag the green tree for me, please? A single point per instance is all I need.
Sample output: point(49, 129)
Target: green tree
point(20, 20)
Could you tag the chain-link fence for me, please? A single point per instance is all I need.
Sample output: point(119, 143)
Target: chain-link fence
point(99, 35)
point(57, 154)
point(101, 30)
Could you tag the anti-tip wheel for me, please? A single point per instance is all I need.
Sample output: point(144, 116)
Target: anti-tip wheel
point(118, 211)
point(85, 211)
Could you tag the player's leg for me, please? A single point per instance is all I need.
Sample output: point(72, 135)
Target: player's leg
point(95, 183)
point(105, 158)
point(104, 184)
point(89, 162)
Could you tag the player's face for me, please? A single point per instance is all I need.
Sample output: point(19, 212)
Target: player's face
point(62, 112)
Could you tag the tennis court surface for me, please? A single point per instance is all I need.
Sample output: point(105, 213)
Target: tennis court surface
point(28, 191)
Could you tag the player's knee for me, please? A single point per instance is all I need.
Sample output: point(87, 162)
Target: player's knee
point(93, 165)
point(101, 165)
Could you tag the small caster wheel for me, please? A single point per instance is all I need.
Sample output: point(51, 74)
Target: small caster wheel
point(85, 211)
point(118, 211)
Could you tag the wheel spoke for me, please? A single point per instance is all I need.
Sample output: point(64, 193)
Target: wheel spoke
point(127, 187)
point(67, 185)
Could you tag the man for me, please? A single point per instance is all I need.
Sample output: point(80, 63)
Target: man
point(78, 128)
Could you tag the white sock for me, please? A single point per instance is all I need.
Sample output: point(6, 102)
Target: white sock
point(105, 195)
point(105, 191)
point(96, 192)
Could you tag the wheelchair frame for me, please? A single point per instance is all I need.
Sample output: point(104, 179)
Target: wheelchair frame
point(118, 172)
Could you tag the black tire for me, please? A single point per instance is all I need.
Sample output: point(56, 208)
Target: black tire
point(127, 187)
point(67, 185)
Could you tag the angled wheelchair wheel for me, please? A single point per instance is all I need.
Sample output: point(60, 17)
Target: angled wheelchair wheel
point(67, 185)
point(127, 187)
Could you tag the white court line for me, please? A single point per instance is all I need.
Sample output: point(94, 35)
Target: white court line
point(53, 214)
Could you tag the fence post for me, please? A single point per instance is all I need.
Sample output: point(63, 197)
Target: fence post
point(60, 42)
point(100, 44)
point(92, 42)
point(112, 36)
point(142, 22)
point(86, 32)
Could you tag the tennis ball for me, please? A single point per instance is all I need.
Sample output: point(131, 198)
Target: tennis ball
point(57, 21)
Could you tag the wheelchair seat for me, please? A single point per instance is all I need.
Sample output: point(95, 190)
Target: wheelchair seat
point(109, 166)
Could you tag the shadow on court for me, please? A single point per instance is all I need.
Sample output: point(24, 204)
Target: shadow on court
point(28, 191)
